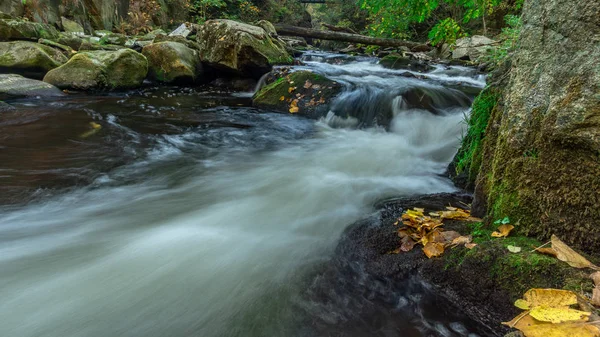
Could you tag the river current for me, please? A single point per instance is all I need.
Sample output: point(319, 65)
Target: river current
point(186, 212)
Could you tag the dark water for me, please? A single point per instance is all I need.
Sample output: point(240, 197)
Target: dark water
point(186, 212)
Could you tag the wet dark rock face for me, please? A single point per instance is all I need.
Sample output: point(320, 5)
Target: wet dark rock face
point(386, 291)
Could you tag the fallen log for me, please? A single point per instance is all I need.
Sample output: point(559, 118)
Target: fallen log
point(339, 29)
point(346, 37)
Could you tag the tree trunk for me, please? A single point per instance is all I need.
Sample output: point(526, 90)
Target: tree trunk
point(345, 37)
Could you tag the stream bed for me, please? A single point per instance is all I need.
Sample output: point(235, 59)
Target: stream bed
point(171, 211)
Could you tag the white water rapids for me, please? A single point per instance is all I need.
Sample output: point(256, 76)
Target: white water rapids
point(180, 243)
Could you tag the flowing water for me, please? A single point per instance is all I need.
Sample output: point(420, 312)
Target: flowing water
point(185, 212)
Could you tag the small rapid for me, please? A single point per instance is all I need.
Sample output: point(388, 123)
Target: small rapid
point(216, 224)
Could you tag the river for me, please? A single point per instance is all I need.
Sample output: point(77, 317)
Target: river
point(186, 212)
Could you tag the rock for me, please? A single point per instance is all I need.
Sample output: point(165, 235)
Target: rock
point(5, 16)
point(397, 61)
point(153, 34)
point(179, 39)
point(25, 30)
point(114, 39)
point(541, 163)
point(471, 48)
point(4, 107)
point(101, 33)
point(66, 49)
point(12, 8)
point(171, 62)
point(110, 70)
point(88, 45)
point(13, 86)
point(239, 48)
point(70, 40)
point(268, 27)
point(29, 58)
point(71, 26)
point(294, 42)
point(183, 30)
point(309, 92)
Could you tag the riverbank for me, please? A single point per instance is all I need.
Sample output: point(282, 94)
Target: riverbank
point(483, 282)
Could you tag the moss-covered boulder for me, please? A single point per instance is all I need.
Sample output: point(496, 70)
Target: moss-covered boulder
point(114, 39)
point(71, 26)
point(70, 40)
point(171, 62)
point(541, 151)
point(25, 30)
point(302, 92)
point(14, 86)
point(101, 70)
point(29, 58)
point(239, 48)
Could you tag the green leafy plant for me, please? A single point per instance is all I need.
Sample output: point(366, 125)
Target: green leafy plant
point(446, 31)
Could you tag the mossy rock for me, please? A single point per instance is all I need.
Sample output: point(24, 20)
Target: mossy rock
point(397, 61)
point(25, 30)
point(239, 48)
point(310, 92)
point(89, 46)
point(29, 58)
point(101, 70)
point(70, 40)
point(15, 86)
point(71, 26)
point(172, 62)
point(114, 39)
point(179, 39)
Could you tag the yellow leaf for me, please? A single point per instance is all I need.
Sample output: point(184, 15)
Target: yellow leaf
point(282, 98)
point(546, 251)
point(568, 255)
point(554, 298)
point(433, 249)
point(470, 245)
point(290, 89)
point(503, 231)
point(455, 214)
point(294, 106)
point(558, 315)
point(534, 328)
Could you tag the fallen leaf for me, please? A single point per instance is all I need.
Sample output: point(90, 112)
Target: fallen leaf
point(554, 298)
point(596, 292)
point(534, 328)
point(546, 251)
point(307, 84)
point(558, 315)
point(470, 245)
point(282, 98)
point(568, 255)
point(433, 249)
point(462, 240)
point(450, 236)
point(294, 106)
point(503, 231)
point(290, 89)
point(407, 244)
point(513, 249)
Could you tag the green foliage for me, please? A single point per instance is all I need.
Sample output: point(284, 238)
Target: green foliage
point(509, 41)
point(446, 31)
point(469, 156)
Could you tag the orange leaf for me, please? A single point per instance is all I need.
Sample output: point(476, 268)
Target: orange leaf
point(503, 231)
point(433, 249)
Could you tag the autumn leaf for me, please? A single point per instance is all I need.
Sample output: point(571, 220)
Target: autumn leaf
point(290, 89)
point(534, 328)
point(568, 255)
point(407, 244)
point(558, 315)
point(294, 106)
point(503, 231)
point(450, 236)
point(546, 251)
point(554, 298)
point(596, 292)
point(282, 98)
point(307, 84)
point(433, 249)
point(470, 245)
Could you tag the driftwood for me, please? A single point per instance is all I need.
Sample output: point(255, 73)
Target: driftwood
point(346, 37)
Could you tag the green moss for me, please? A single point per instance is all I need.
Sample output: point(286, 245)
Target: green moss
point(469, 156)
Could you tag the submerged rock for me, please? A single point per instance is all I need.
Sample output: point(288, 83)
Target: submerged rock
point(302, 92)
point(110, 70)
point(13, 86)
point(172, 62)
point(4, 107)
point(25, 30)
point(471, 48)
point(239, 48)
point(29, 58)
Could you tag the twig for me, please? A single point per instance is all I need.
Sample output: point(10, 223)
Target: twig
point(545, 244)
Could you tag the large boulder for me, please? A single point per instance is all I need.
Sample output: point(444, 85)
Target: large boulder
point(71, 26)
point(14, 86)
point(101, 70)
point(301, 92)
point(239, 48)
point(14, 8)
point(472, 48)
point(29, 58)
point(541, 155)
point(171, 62)
point(25, 30)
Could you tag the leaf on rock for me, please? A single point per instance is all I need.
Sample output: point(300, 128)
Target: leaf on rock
point(282, 98)
point(307, 84)
point(470, 245)
point(534, 328)
point(294, 106)
point(433, 249)
point(450, 236)
point(513, 249)
point(596, 292)
point(554, 298)
point(558, 315)
point(522, 304)
point(407, 244)
point(290, 89)
point(568, 255)
point(546, 251)
point(503, 231)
